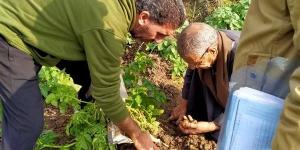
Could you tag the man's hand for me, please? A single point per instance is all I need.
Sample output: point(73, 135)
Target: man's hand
point(179, 111)
point(142, 140)
point(190, 126)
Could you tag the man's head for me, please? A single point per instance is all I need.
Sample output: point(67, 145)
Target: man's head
point(157, 19)
point(198, 45)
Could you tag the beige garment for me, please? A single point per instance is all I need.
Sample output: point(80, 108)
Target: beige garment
point(268, 59)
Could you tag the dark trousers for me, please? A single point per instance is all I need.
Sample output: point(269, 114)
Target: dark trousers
point(202, 105)
point(21, 98)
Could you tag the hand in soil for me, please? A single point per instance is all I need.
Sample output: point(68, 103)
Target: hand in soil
point(141, 139)
point(179, 111)
point(144, 142)
point(190, 126)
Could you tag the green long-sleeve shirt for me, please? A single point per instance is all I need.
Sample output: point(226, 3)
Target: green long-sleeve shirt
point(91, 30)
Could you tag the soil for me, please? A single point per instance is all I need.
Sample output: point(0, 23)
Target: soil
point(57, 122)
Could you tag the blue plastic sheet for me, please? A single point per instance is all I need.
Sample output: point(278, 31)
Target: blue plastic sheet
point(251, 119)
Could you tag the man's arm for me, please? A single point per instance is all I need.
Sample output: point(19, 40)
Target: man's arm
point(142, 140)
point(103, 52)
point(288, 132)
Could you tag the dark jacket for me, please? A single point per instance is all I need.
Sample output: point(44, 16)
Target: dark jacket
point(202, 105)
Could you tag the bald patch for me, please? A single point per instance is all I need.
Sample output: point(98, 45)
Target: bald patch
point(195, 39)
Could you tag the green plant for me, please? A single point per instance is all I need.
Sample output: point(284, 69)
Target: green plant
point(144, 98)
point(129, 39)
point(144, 103)
point(167, 50)
point(47, 138)
point(145, 119)
point(229, 17)
point(58, 88)
point(47, 141)
point(138, 67)
point(88, 126)
point(145, 94)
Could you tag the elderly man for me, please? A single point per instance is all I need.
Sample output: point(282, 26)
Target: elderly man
point(209, 54)
point(90, 33)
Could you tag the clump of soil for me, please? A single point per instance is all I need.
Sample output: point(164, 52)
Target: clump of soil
point(57, 122)
point(195, 142)
point(130, 51)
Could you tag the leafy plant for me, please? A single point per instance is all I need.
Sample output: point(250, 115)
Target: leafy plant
point(138, 67)
point(144, 104)
point(47, 140)
point(88, 126)
point(229, 17)
point(129, 39)
point(144, 98)
point(58, 88)
point(167, 50)
point(145, 94)
point(145, 118)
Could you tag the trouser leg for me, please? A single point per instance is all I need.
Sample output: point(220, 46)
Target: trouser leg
point(21, 98)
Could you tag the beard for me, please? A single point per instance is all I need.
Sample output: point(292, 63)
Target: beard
point(141, 33)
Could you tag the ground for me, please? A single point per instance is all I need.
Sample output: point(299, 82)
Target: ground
point(57, 122)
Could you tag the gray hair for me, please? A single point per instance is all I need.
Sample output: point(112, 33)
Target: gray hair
point(195, 39)
point(163, 11)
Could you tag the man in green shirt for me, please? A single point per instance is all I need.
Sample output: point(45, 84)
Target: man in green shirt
point(35, 33)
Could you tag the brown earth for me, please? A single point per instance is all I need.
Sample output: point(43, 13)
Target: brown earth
point(57, 122)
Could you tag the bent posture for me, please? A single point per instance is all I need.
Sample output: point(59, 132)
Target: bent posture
point(209, 54)
point(88, 34)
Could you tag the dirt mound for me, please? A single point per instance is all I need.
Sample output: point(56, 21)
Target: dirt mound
point(57, 122)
